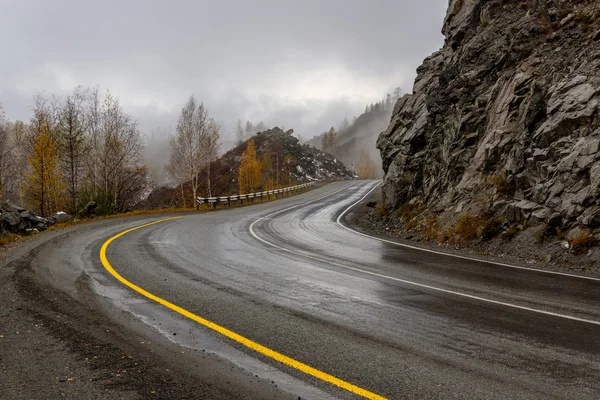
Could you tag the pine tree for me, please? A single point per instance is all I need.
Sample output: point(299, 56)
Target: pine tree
point(239, 132)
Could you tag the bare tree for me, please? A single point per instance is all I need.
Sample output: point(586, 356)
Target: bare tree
point(176, 166)
point(211, 152)
point(93, 124)
point(120, 148)
point(19, 153)
point(196, 143)
point(5, 156)
point(72, 143)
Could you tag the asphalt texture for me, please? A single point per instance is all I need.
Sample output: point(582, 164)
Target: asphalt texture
point(398, 322)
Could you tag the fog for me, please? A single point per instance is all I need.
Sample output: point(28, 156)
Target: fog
point(303, 65)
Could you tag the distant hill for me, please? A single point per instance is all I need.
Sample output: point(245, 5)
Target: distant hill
point(360, 137)
point(307, 164)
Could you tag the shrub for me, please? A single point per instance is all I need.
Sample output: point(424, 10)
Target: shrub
point(448, 235)
point(7, 237)
point(467, 227)
point(546, 233)
point(381, 210)
point(582, 243)
point(491, 227)
point(407, 213)
point(502, 185)
point(431, 231)
point(512, 231)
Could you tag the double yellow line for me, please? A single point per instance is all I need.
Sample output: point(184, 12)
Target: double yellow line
point(226, 332)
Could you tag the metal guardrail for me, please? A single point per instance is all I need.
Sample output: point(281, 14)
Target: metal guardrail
point(250, 196)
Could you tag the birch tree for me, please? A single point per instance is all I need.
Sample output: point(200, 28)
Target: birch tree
point(196, 142)
point(211, 152)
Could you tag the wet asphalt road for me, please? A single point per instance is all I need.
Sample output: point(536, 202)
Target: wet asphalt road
point(285, 274)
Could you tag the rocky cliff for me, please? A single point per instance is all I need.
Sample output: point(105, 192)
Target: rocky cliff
point(505, 117)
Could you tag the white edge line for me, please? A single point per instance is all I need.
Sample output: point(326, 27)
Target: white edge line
point(339, 221)
point(253, 233)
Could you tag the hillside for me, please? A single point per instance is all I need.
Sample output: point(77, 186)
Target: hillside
point(306, 163)
point(503, 121)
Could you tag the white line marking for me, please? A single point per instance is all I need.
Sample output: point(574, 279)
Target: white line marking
point(339, 219)
point(253, 233)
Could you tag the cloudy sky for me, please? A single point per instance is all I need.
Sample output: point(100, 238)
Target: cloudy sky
point(301, 64)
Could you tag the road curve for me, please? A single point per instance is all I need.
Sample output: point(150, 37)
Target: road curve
point(393, 321)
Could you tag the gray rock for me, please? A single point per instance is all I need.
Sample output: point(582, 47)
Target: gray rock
point(505, 100)
point(11, 207)
point(10, 219)
point(540, 193)
point(554, 220)
point(595, 180)
point(87, 211)
point(583, 197)
point(539, 217)
point(60, 218)
point(590, 217)
point(540, 154)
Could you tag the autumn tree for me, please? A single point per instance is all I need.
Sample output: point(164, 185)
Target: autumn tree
point(43, 181)
point(329, 140)
point(365, 167)
point(249, 177)
point(196, 142)
point(267, 171)
point(72, 144)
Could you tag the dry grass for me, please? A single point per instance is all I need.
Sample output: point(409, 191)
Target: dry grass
point(7, 238)
point(502, 185)
point(431, 230)
point(467, 227)
point(583, 242)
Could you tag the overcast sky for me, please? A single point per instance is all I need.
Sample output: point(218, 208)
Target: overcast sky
point(301, 64)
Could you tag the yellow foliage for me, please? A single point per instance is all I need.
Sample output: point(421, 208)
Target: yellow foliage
point(249, 177)
point(365, 167)
point(44, 185)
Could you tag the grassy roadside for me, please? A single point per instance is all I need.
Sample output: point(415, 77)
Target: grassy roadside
point(7, 238)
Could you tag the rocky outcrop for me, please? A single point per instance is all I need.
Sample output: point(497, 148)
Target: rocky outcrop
point(303, 163)
point(508, 109)
point(16, 219)
point(309, 163)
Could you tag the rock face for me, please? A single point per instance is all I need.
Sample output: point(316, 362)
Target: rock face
point(510, 106)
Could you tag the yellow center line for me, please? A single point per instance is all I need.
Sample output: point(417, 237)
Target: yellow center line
point(228, 333)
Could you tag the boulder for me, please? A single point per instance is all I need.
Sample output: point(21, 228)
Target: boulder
point(590, 217)
point(11, 207)
point(60, 217)
point(90, 210)
point(10, 220)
